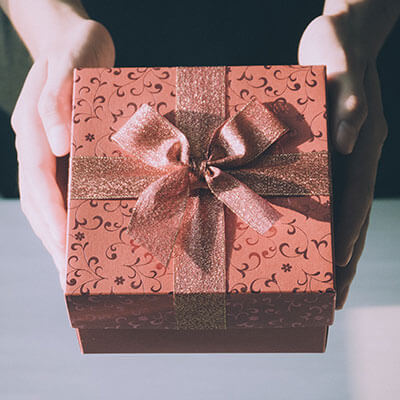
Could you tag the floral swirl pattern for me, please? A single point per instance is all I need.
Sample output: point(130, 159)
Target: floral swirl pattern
point(283, 278)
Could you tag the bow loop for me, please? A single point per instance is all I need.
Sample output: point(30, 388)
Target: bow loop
point(244, 136)
point(152, 139)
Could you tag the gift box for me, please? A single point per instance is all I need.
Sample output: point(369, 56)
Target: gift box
point(199, 210)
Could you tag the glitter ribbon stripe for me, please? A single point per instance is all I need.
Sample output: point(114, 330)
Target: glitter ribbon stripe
point(289, 174)
point(199, 251)
point(168, 169)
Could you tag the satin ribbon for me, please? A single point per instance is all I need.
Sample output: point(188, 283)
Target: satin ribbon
point(183, 180)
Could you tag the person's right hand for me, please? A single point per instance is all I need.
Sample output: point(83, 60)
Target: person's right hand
point(42, 122)
point(358, 130)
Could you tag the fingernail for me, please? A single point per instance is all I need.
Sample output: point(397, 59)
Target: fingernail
point(343, 258)
point(346, 137)
point(344, 263)
point(58, 140)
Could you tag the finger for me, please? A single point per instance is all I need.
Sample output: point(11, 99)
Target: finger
point(40, 198)
point(349, 109)
point(40, 228)
point(33, 207)
point(359, 175)
point(55, 106)
point(354, 202)
point(25, 117)
point(46, 199)
point(36, 161)
point(344, 276)
point(376, 138)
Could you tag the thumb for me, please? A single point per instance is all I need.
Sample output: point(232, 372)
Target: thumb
point(55, 107)
point(349, 110)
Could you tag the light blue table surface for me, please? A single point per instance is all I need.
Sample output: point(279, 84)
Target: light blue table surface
point(40, 358)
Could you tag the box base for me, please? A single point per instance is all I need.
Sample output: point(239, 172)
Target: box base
point(272, 340)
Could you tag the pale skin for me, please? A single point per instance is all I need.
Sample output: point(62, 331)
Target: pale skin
point(59, 36)
point(346, 38)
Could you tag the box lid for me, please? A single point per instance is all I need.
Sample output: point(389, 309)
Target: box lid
point(284, 278)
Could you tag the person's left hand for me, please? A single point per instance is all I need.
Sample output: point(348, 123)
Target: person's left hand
point(358, 130)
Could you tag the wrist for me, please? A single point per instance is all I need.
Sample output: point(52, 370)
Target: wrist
point(330, 40)
point(364, 23)
point(42, 24)
point(86, 44)
point(358, 45)
point(64, 39)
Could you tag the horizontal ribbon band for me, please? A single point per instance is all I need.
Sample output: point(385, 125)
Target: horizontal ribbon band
point(119, 178)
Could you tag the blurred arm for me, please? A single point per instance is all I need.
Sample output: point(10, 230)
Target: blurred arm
point(35, 19)
point(372, 19)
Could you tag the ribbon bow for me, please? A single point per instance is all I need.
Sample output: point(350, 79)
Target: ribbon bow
point(158, 144)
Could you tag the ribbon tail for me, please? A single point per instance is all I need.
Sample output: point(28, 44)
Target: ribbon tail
point(253, 209)
point(200, 265)
point(158, 213)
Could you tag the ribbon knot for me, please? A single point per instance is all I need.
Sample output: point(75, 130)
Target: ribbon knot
point(197, 174)
point(203, 168)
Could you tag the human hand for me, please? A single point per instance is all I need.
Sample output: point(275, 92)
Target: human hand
point(358, 129)
point(42, 122)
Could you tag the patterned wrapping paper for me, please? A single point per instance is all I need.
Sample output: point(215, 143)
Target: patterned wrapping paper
point(283, 278)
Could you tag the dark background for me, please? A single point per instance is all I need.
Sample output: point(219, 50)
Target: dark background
point(205, 33)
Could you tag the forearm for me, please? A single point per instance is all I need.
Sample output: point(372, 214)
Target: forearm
point(40, 23)
point(370, 21)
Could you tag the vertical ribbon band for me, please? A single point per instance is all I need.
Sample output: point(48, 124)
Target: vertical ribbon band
point(199, 286)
